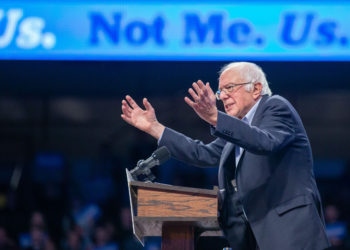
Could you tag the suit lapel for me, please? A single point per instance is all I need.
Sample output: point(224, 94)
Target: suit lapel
point(227, 150)
point(241, 159)
point(259, 109)
point(225, 154)
point(254, 122)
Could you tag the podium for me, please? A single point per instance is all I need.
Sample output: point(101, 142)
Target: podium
point(178, 214)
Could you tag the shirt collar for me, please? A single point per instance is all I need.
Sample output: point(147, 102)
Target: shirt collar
point(249, 116)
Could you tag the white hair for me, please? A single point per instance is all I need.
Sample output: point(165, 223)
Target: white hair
point(250, 72)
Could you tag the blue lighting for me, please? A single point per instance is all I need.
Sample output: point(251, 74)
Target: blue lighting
point(176, 30)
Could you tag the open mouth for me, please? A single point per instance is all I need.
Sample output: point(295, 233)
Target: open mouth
point(228, 106)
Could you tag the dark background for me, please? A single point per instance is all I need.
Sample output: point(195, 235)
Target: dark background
point(60, 126)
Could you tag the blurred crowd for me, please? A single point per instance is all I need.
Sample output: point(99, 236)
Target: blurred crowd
point(83, 204)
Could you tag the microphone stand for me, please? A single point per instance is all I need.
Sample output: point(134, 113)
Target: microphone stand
point(139, 170)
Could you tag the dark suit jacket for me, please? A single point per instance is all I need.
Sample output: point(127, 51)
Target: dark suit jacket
point(274, 177)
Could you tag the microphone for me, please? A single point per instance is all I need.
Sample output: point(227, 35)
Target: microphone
point(158, 157)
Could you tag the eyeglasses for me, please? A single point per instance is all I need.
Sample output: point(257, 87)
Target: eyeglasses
point(229, 89)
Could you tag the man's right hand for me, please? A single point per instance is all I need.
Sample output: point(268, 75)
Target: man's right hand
point(144, 120)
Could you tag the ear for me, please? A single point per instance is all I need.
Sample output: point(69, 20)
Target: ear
point(257, 90)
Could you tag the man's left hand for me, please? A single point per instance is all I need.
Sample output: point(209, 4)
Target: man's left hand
point(204, 102)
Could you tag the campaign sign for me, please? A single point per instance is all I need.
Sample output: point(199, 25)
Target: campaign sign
point(31, 30)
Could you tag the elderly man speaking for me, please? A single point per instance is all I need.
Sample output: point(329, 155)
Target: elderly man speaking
point(268, 198)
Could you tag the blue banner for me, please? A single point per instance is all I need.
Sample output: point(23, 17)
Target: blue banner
point(183, 31)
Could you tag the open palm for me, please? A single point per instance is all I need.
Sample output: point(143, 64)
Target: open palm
point(137, 117)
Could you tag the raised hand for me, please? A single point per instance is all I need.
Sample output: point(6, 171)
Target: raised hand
point(144, 120)
point(204, 102)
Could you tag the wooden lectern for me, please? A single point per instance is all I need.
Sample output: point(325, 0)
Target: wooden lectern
point(177, 214)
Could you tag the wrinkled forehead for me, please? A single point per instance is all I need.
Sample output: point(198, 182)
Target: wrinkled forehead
point(230, 76)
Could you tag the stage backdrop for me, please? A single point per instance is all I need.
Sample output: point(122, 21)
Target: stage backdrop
point(175, 30)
